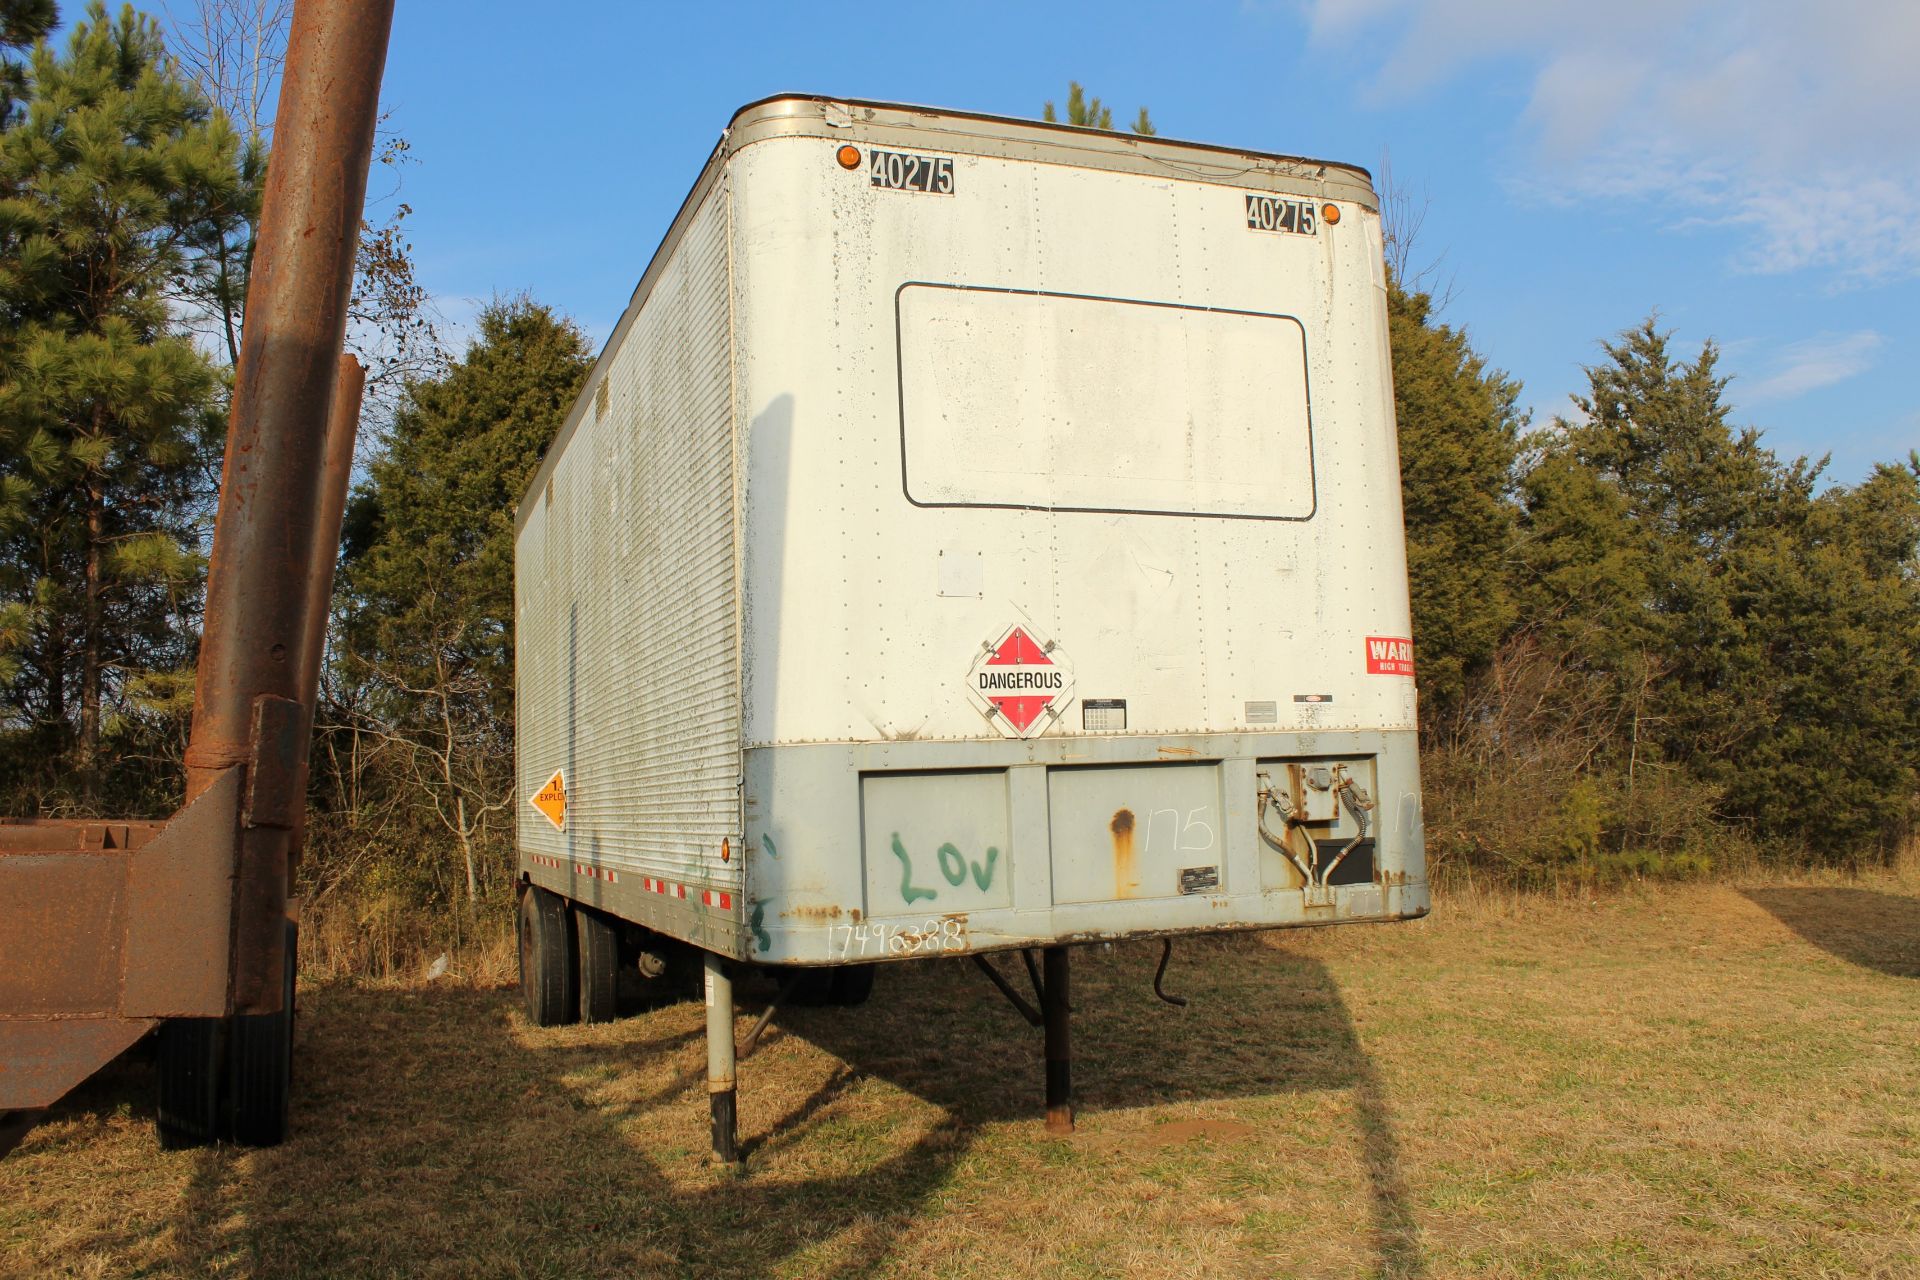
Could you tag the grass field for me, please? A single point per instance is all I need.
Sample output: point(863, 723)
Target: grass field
point(1695, 1081)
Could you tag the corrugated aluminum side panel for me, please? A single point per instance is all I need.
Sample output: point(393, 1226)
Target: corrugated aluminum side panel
point(629, 673)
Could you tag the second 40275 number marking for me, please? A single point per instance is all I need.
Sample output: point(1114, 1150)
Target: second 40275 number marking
point(1272, 213)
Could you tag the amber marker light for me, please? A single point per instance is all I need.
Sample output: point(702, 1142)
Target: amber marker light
point(848, 156)
point(1331, 213)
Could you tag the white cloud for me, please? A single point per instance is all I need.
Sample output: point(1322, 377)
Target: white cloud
point(1816, 362)
point(1797, 124)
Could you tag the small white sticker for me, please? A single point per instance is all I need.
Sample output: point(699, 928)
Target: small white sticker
point(961, 574)
point(709, 991)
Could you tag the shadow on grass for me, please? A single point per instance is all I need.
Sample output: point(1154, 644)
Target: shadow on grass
point(435, 1134)
point(460, 1150)
point(1864, 927)
point(1260, 1021)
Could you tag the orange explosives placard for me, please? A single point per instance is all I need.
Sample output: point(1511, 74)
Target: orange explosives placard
point(551, 800)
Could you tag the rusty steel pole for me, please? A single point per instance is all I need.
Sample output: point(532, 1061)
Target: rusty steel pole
point(343, 426)
point(252, 644)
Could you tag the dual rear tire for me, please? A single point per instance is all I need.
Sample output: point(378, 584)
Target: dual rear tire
point(569, 961)
point(549, 969)
point(570, 965)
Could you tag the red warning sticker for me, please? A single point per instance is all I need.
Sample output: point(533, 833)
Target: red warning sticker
point(1022, 683)
point(1389, 656)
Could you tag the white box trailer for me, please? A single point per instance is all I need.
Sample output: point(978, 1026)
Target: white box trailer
point(977, 534)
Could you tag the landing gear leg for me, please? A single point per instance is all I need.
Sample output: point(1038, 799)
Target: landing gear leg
point(721, 1080)
point(1053, 1000)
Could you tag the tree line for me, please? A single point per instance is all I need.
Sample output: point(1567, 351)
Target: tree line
point(1647, 644)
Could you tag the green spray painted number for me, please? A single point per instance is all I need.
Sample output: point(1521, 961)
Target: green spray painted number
point(758, 923)
point(766, 842)
point(952, 865)
point(983, 876)
point(909, 892)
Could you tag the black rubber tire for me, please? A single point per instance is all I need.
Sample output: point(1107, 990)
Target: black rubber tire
point(259, 1084)
point(549, 980)
point(811, 989)
point(852, 984)
point(598, 960)
point(187, 1058)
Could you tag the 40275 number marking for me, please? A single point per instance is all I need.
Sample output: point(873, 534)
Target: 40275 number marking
point(930, 937)
point(904, 171)
point(1273, 213)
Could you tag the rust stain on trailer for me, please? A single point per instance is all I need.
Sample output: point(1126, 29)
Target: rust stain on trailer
point(1181, 751)
point(1126, 878)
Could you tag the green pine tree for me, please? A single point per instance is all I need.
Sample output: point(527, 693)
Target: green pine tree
point(428, 577)
point(109, 179)
point(1458, 425)
point(22, 23)
point(1755, 641)
point(1828, 602)
point(1088, 113)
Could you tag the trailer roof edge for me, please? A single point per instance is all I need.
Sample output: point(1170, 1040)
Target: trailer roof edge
point(801, 115)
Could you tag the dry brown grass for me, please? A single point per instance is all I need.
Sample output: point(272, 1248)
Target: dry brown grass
point(1697, 1081)
point(377, 939)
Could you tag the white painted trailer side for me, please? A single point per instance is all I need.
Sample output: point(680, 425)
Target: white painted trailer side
point(1113, 414)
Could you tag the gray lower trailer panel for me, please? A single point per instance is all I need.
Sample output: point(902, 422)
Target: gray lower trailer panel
point(857, 853)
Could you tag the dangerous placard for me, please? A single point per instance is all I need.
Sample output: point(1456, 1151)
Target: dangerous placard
point(1389, 656)
point(1021, 682)
point(551, 800)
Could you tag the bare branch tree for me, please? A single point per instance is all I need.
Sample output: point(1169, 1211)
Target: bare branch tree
point(1401, 218)
point(234, 51)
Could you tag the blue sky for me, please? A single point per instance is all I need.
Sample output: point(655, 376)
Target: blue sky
point(1749, 170)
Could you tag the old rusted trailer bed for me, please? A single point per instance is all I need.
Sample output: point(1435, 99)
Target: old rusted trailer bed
point(109, 930)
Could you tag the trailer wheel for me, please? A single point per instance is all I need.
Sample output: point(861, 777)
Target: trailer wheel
point(809, 988)
point(598, 955)
point(187, 1058)
point(549, 983)
point(852, 984)
point(260, 1063)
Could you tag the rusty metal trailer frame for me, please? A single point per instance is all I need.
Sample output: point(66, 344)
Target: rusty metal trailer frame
point(108, 929)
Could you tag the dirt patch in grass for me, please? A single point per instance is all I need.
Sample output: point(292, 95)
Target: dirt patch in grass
point(1689, 1082)
point(1174, 1132)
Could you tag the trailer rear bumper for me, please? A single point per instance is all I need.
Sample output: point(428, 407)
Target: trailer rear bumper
point(887, 851)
